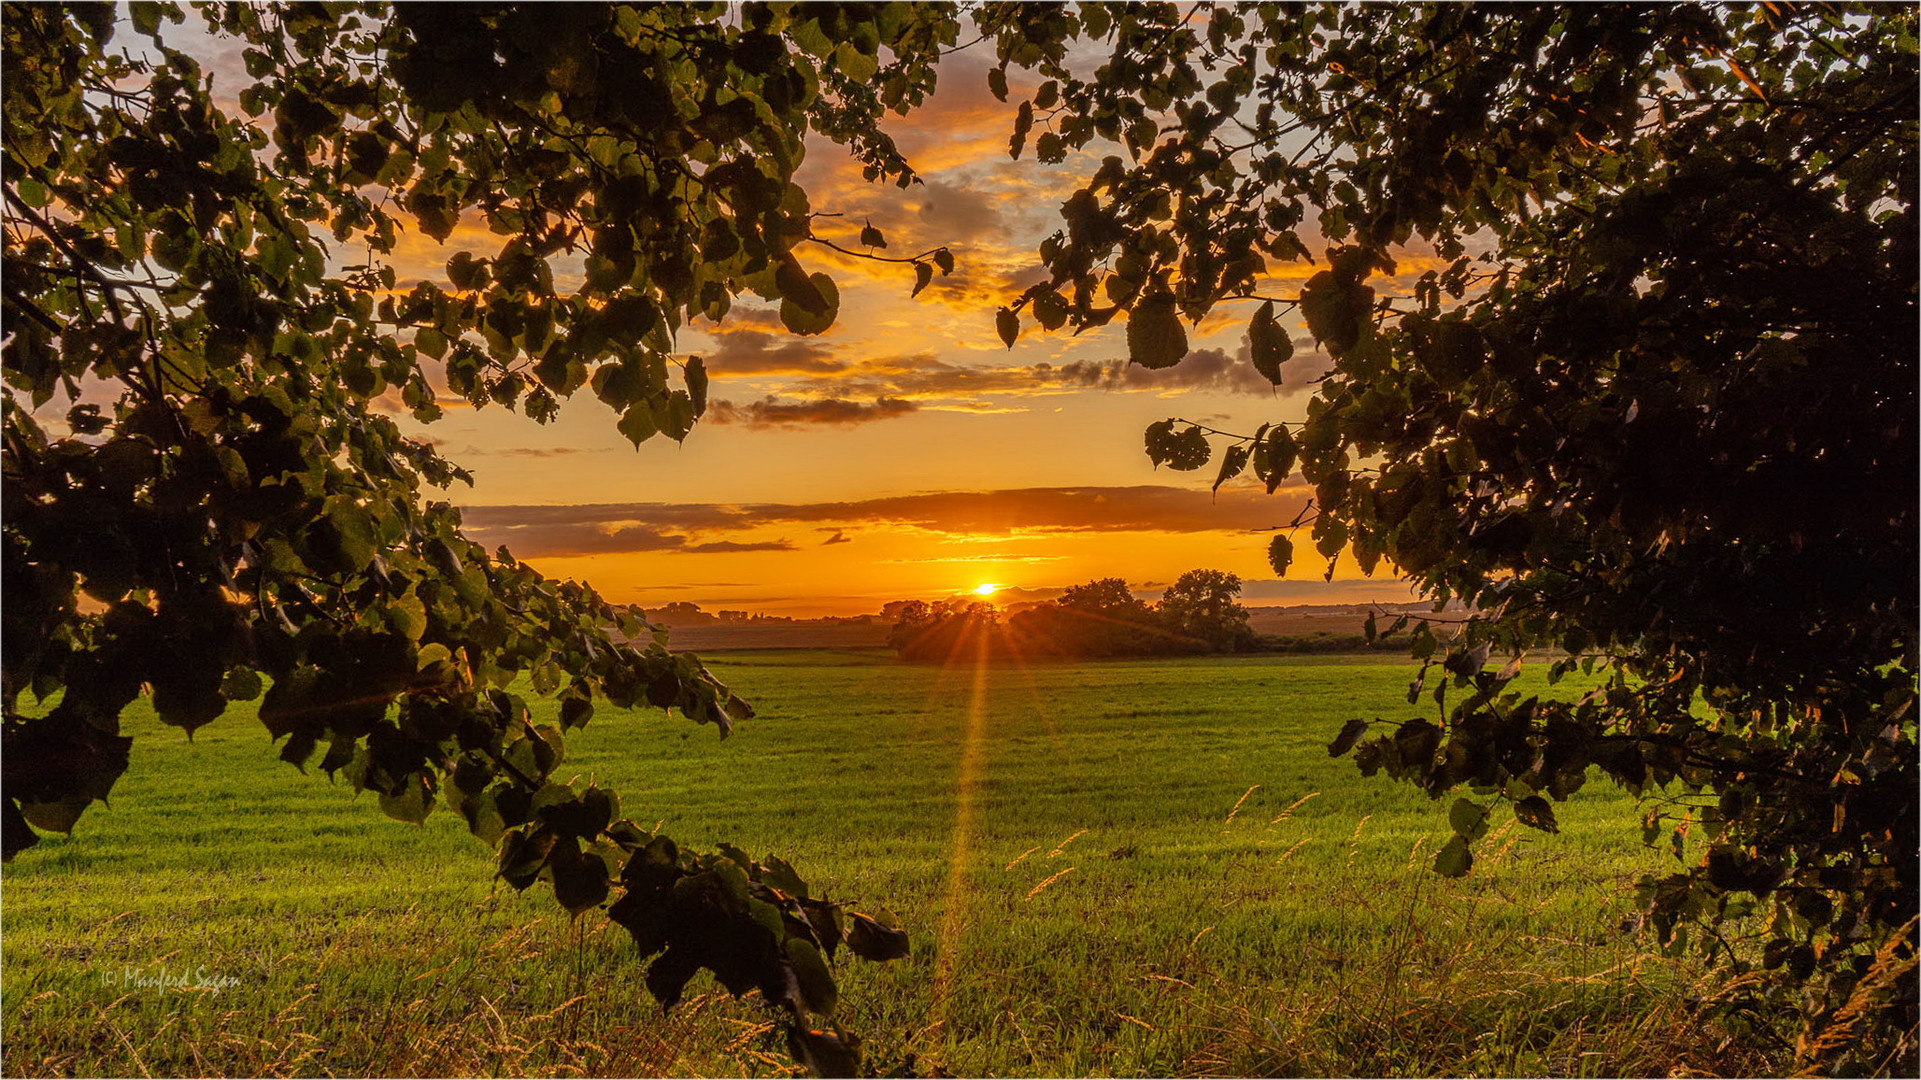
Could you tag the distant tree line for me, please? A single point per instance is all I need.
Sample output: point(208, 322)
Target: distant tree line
point(1199, 613)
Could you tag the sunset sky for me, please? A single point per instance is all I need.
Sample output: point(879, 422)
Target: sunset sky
point(905, 452)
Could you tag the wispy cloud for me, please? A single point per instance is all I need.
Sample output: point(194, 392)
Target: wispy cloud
point(475, 450)
point(756, 352)
point(931, 382)
point(718, 546)
point(980, 558)
point(596, 528)
point(561, 539)
point(772, 412)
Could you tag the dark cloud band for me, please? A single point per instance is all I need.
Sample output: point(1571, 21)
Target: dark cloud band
point(601, 528)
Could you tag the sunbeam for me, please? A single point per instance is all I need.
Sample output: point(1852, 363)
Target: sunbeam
point(954, 894)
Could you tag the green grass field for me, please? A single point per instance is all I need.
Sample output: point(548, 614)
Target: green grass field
point(1131, 868)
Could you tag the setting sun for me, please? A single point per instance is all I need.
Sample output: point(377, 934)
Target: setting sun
point(985, 589)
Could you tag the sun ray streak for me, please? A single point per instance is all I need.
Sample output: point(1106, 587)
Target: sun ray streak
point(954, 895)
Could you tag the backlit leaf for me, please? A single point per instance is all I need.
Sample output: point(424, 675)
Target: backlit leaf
point(1269, 343)
point(1454, 859)
point(1008, 325)
point(1280, 554)
point(1155, 337)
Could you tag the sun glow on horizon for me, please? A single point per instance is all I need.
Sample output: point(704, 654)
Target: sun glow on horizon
point(986, 588)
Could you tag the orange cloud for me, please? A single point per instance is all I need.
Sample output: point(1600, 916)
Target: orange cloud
point(1027, 511)
point(771, 412)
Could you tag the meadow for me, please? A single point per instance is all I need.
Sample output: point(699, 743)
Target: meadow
point(1107, 868)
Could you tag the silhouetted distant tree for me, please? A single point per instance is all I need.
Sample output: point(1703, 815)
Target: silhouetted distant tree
point(1201, 606)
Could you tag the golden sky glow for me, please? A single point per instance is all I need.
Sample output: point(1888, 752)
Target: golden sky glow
point(905, 452)
point(904, 399)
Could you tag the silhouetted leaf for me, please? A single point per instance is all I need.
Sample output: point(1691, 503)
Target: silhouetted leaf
point(1338, 311)
point(411, 804)
point(826, 1053)
point(1232, 463)
point(1468, 819)
point(1268, 343)
point(1183, 450)
point(1274, 456)
point(811, 974)
point(1155, 337)
point(1351, 733)
point(1535, 813)
point(873, 940)
point(1280, 554)
point(1008, 325)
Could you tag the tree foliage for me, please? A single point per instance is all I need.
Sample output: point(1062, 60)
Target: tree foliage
point(1649, 402)
point(1101, 618)
point(228, 511)
point(1202, 604)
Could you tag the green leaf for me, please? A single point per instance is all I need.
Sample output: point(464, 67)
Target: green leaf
point(241, 684)
point(872, 939)
point(816, 983)
point(1535, 813)
point(1155, 337)
point(1338, 311)
point(575, 711)
point(32, 192)
point(1269, 343)
point(637, 423)
point(1280, 554)
point(854, 63)
point(1050, 310)
point(580, 883)
point(779, 875)
point(629, 317)
point(349, 531)
point(412, 804)
point(678, 419)
point(1454, 859)
point(145, 16)
point(802, 320)
point(1468, 819)
point(431, 342)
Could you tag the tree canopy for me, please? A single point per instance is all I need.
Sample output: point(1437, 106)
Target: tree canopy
point(225, 511)
point(1649, 403)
